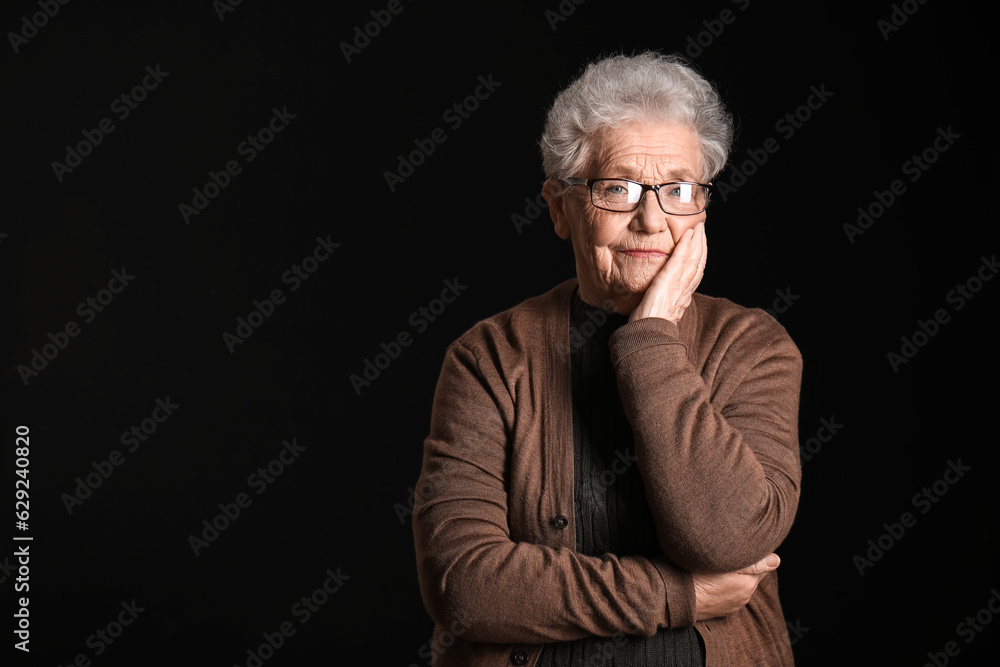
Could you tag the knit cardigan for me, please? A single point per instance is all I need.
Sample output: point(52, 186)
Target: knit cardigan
point(713, 405)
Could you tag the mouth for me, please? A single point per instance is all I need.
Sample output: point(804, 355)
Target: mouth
point(644, 254)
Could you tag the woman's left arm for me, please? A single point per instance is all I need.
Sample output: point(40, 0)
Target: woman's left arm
point(720, 463)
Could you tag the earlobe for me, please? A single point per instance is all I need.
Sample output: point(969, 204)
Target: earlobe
point(552, 193)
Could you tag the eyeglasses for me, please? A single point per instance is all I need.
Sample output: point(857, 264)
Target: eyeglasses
point(622, 195)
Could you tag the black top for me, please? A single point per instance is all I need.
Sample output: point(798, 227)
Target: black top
point(612, 515)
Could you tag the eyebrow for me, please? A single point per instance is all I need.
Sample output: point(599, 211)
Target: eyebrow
point(673, 174)
point(672, 177)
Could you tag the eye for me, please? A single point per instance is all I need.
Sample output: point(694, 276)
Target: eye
point(682, 192)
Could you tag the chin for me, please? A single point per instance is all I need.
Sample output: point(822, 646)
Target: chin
point(636, 282)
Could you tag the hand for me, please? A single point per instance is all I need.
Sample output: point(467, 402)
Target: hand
point(669, 294)
point(724, 594)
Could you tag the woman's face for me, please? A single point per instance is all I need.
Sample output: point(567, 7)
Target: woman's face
point(617, 254)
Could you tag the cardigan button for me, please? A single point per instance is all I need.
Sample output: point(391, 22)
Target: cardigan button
point(519, 658)
point(561, 521)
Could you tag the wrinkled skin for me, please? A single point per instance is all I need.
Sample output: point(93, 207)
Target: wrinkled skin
point(658, 282)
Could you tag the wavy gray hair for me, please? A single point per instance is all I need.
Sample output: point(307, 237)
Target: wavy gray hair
point(615, 91)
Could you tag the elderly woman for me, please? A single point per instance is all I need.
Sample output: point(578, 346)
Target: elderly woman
point(611, 464)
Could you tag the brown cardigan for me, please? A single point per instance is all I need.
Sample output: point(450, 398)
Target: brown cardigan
point(713, 404)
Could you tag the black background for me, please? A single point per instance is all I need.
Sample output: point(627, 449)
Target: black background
point(342, 503)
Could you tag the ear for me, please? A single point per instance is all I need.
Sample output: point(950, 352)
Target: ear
point(552, 192)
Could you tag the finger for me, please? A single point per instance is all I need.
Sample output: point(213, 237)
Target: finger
point(703, 258)
point(704, 247)
point(764, 565)
point(682, 253)
point(695, 260)
point(676, 260)
point(673, 275)
point(699, 250)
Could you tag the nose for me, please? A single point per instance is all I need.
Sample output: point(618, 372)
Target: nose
point(649, 218)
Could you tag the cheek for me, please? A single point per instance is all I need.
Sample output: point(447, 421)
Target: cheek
point(685, 223)
point(603, 231)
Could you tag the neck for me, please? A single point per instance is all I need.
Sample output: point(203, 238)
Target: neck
point(622, 303)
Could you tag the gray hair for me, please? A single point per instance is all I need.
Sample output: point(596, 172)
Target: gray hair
point(615, 91)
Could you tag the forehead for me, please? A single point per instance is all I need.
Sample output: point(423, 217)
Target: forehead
point(647, 152)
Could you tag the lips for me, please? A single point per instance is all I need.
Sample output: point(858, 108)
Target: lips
point(646, 254)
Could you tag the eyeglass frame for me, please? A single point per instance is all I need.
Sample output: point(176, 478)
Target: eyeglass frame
point(589, 182)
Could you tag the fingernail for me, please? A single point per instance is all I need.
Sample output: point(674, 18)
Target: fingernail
point(772, 561)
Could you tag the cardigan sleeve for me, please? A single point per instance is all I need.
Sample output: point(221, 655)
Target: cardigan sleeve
point(473, 573)
point(719, 460)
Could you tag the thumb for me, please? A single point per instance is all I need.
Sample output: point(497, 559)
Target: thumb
point(764, 565)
